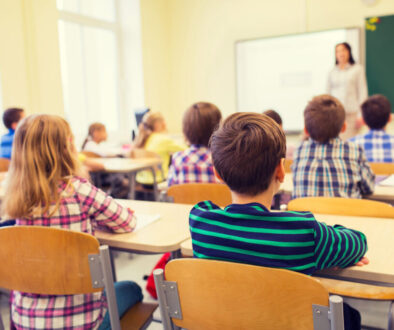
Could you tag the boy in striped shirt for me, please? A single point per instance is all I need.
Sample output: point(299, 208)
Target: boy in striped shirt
point(248, 153)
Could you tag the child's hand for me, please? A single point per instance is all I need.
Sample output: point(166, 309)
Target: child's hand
point(363, 261)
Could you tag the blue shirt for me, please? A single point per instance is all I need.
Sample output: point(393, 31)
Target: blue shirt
point(6, 144)
point(250, 233)
point(378, 146)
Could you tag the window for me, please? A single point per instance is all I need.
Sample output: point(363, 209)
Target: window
point(93, 74)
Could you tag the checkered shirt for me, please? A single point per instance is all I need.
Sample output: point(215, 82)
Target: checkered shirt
point(333, 169)
point(193, 165)
point(83, 207)
point(378, 146)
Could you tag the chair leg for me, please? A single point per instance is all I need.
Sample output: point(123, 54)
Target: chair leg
point(391, 316)
point(158, 275)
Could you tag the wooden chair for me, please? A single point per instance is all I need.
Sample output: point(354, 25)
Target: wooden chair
point(90, 154)
point(63, 262)
point(382, 168)
point(288, 163)
point(4, 164)
point(342, 206)
point(350, 207)
point(192, 193)
point(210, 294)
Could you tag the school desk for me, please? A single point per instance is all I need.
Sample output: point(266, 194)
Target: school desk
point(381, 193)
point(130, 167)
point(380, 234)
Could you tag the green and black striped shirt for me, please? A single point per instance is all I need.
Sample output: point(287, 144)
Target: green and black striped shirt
point(250, 233)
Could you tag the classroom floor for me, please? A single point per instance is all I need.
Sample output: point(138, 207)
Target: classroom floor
point(134, 267)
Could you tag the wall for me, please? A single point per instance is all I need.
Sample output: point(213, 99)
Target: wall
point(198, 37)
point(29, 60)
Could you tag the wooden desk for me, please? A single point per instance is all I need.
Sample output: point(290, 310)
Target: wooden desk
point(380, 234)
point(131, 166)
point(381, 193)
point(164, 235)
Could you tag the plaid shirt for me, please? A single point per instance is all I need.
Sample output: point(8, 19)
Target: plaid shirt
point(378, 146)
point(193, 165)
point(83, 207)
point(333, 169)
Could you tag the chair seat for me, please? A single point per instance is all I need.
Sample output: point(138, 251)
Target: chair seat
point(357, 290)
point(138, 317)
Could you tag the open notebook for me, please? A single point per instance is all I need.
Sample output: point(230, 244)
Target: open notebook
point(389, 181)
point(145, 219)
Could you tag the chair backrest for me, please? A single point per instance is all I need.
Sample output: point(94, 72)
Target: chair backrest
point(342, 206)
point(382, 168)
point(192, 193)
point(90, 154)
point(4, 164)
point(288, 163)
point(225, 295)
point(44, 260)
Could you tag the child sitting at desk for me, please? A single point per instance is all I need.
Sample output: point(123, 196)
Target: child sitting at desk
point(324, 165)
point(95, 142)
point(44, 189)
point(194, 165)
point(152, 137)
point(248, 153)
point(378, 145)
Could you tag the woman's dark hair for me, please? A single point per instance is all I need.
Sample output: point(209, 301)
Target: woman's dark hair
point(349, 49)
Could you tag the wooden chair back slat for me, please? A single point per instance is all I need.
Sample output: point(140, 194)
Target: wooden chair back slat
point(342, 206)
point(4, 164)
point(192, 193)
point(90, 154)
point(29, 253)
point(382, 168)
point(225, 295)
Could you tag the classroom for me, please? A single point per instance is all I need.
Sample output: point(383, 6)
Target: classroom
point(135, 129)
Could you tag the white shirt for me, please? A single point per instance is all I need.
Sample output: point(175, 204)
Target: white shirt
point(103, 149)
point(349, 86)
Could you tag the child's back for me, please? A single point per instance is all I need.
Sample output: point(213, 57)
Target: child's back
point(324, 165)
point(377, 143)
point(11, 117)
point(44, 189)
point(194, 165)
point(248, 153)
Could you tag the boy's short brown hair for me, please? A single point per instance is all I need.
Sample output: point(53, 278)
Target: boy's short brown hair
point(324, 118)
point(12, 115)
point(246, 149)
point(376, 111)
point(274, 115)
point(199, 122)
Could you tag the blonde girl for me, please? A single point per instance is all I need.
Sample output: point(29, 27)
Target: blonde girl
point(152, 137)
point(44, 189)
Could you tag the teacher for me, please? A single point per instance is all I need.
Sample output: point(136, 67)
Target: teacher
point(347, 82)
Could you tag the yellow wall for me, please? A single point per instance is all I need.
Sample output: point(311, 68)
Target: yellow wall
point(29, 57)
point(199, 36)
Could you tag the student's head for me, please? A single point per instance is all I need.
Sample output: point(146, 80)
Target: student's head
point(199, 122)
point(343, 54)
point(152, 122)
point(12, 116)
point(247, 150)
point(324, 118)
point(43, 156)
point(275, 116)
point(376, 111)
point(97, 133)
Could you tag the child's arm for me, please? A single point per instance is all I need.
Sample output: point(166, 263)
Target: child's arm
point(104, 210)
point(367, 183)
point(338, 246)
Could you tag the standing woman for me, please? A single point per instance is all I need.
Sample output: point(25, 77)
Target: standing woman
point(347, 82)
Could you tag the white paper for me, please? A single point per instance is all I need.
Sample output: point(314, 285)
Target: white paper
point(389, 181)
point(145, 219)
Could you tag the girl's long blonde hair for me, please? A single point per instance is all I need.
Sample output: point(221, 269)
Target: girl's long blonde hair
point(92, 128)
point(43, 156)
point(146, 128)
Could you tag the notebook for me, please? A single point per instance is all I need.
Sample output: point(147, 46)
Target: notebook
point(144, 219)
point(389, 181)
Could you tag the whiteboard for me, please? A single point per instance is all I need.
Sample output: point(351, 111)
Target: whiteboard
point(284, 73)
